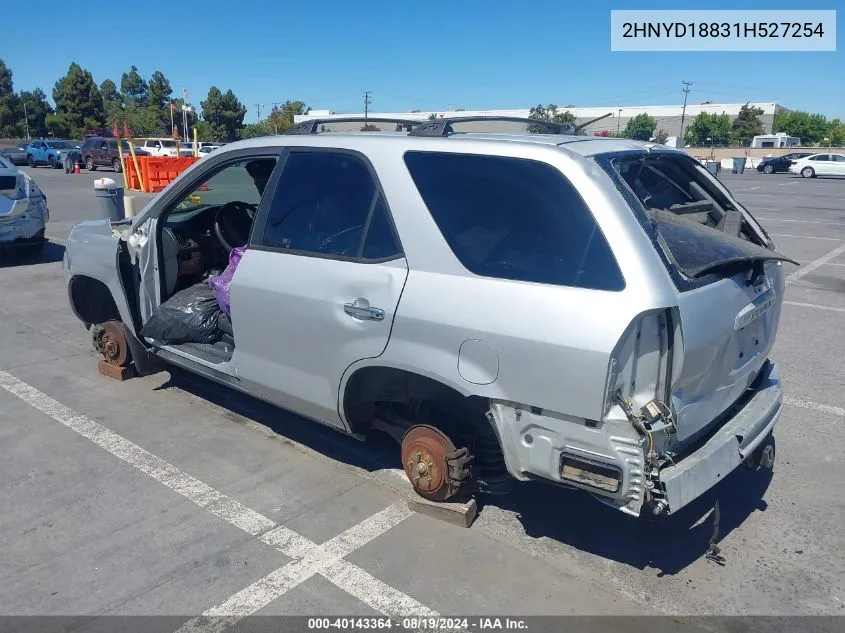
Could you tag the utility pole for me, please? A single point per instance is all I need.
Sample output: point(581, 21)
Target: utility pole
point(275, 121)
point(258, 107)
point(618, 121)
point(687, 84)
point(26, 118)
point(367, 102)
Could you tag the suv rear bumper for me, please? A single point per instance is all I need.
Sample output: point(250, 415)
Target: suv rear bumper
point(728, 447)
point(535, 445)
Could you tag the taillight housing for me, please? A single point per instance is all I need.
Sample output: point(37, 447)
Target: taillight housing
point(645, 364)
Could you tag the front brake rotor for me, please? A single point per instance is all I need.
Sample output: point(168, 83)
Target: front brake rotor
point(435, 468)
point(113, 345)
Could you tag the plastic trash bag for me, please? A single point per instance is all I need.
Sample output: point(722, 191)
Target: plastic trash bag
point(220, 283)
point(189, 316)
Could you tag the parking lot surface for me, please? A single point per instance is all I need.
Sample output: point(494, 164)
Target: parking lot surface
point(170, 495)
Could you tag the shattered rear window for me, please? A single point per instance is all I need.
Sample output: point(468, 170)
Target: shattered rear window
point(700, 229)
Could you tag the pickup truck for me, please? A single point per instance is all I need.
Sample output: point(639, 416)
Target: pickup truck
point(50, 153)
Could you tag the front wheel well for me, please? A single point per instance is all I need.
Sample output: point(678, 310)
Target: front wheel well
point(92, 301)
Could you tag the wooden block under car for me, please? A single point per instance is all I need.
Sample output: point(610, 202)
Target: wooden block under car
point(457, 513)
point(113, 371)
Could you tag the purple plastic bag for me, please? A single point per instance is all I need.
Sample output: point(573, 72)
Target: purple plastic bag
point(220, 283)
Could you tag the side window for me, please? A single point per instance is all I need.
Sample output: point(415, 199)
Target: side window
point(839, 158)
point(513, 218)
point(322, 204)
point(242, 183)
point(823, 157)
point(381, 240)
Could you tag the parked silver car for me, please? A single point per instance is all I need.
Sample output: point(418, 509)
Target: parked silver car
point(23, 211)
point(592, 312)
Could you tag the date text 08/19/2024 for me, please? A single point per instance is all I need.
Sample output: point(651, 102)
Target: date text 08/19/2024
point(417, 623)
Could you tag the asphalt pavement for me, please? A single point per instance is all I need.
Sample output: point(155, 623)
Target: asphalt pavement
point(169, 495)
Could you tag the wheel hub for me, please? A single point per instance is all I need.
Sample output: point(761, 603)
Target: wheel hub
point(429, 457)
point(113, 345)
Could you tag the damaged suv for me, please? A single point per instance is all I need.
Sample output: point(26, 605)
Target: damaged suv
point(597, 313)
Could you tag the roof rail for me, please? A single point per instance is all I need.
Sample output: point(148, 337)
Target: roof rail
point(443, 127)
point(312, 126)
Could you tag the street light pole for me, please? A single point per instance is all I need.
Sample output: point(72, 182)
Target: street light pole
point(712, 142)
point(618, 121)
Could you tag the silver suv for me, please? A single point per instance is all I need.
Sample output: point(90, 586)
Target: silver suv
point(597, 313)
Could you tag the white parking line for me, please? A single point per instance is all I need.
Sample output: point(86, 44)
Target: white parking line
point(807, 404)
point(807, 261)
point(803, 221)
point(807, 237)
point(813, 305)
point(309, 557)
point(821, 261)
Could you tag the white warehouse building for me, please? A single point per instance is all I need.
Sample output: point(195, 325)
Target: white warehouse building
point(668, 117)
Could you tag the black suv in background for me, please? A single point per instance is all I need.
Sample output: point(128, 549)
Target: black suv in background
point(780, 163)
point(100, 151)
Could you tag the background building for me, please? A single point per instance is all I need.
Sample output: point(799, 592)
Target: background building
point(668, 117)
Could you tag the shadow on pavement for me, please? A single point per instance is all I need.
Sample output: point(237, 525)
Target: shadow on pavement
point(574, 518)
point(19, 256)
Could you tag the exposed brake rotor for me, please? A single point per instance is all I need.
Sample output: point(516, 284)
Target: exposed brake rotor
point(113, 345)
point(435, 468)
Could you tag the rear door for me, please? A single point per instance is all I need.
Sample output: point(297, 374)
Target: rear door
point(837, 164)
point(821, 164)
point(318, 287)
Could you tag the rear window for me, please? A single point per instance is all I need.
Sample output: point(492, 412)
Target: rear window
point(699, 228)
point(513, 218)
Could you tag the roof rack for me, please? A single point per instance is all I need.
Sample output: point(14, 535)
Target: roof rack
point(443, 127)
point(312, 126)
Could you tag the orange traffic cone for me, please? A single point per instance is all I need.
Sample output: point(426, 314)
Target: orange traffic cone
point(76, 168)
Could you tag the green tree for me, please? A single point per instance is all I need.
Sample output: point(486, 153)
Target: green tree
point(8, 104)
point(747, 124)
point(251, 130)
point(641, 127)
point(224, 112)
point(133, 87)
point(836, 133)
point(79, 104)
point(159, 96)
point(549, 113)
point(37, 110)
point(661, 136)
point(281, 118)
point(112, 101)
point(205, 131)
point(810, 128)
point(716, 127)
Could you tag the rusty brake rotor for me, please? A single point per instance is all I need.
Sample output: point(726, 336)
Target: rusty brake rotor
point(435, 468)
point(113, 345)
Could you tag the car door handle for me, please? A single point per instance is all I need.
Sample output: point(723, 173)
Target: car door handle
point(361, 309)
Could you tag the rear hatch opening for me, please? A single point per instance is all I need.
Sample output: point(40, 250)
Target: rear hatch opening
point(729, 288)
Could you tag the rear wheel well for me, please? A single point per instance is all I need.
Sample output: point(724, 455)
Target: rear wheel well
point(393, 400)
point(92, 301)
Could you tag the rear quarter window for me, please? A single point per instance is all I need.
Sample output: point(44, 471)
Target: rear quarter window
point(513, 218)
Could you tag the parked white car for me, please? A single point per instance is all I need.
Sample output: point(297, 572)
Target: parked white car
point(23, 210)
point(205, 150)
point(159, 146)
point(819, 165)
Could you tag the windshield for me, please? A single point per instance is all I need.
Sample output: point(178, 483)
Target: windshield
point(60, 145)
point(168, 143)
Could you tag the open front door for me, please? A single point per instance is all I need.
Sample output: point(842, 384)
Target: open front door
point(319, 285)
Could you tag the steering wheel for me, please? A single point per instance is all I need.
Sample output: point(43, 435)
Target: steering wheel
point(232, 223)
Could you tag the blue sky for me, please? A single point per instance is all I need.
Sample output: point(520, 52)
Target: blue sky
point(431, 55)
